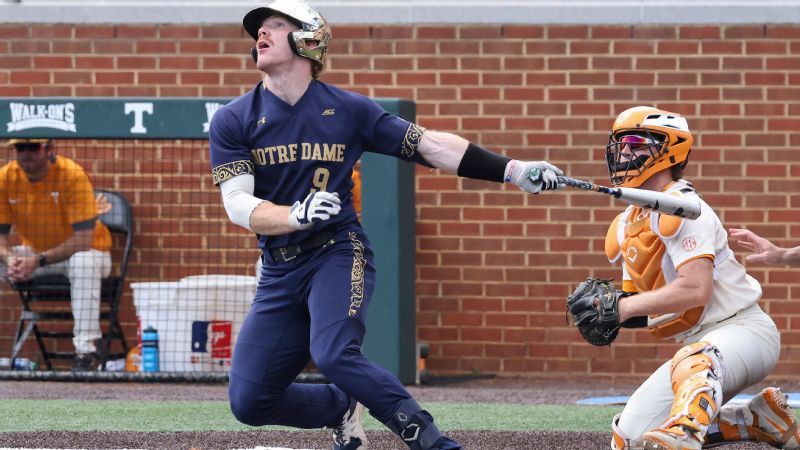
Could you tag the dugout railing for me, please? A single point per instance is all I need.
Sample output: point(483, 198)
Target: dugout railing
point(191, 272)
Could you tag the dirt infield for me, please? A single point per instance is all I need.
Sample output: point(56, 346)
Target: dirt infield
point(383, 440)
point(525, 391)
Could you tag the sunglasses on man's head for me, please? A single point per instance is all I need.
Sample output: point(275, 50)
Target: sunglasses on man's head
point(35, 147)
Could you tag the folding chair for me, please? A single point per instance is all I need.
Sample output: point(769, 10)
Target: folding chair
point(56, 289)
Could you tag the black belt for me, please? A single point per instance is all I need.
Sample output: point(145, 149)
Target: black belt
point(290, 252)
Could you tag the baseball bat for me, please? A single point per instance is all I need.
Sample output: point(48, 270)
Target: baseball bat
point(657, 201)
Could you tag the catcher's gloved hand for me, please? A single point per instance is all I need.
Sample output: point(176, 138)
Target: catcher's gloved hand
point(533, 176)
point(594, 307)
point(317, 207)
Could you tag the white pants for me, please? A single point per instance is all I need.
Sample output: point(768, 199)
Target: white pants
point(749, 343)
point(85, 270)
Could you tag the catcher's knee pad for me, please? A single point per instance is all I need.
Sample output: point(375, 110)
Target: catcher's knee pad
point(619, 441)
point(696, 381)
point(698, 358)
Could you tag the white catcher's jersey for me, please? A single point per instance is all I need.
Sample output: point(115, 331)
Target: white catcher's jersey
point(685, 240)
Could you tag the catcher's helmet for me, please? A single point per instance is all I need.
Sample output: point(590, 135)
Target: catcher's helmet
point(664, 135)
point(313, 26)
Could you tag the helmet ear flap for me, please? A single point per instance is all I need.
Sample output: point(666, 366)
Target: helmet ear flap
point(293, 44)
point(254, 54)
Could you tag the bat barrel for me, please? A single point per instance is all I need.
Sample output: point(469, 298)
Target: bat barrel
point(658, 201)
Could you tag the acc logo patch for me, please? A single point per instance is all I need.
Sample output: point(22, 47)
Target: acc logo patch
point(689, 244)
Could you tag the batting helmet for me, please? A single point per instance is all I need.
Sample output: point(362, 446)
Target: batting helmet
point(313, 27)
point(664, 135)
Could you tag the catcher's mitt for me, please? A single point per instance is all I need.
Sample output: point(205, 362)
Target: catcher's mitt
point(598, 323)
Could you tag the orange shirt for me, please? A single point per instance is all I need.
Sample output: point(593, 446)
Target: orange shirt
point(44, 212)
point(357, 191)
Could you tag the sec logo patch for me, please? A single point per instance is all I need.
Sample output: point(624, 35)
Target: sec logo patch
point(689, 244)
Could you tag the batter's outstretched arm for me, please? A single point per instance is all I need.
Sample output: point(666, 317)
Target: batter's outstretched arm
point(454, 154)
point(443, 150)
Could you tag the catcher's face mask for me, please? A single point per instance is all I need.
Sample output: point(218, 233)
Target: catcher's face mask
point(628, 155)
point(645, 141)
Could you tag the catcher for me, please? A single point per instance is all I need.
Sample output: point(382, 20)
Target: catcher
point(681, 280)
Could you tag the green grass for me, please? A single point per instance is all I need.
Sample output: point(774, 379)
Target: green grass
point(114, 415)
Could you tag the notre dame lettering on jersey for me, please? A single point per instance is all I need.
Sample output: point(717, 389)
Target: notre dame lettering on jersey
point(256, 134)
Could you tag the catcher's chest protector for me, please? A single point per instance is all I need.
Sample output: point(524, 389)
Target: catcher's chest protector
point(631, 236)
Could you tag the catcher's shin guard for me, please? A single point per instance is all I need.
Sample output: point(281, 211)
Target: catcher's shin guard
point(619, 441)
point(698, 394)
point(765, 418)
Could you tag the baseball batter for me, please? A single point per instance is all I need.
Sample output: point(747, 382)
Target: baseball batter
point(689, 287)
point(282, 155)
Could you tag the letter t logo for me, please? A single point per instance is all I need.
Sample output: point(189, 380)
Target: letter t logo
point(138, 110)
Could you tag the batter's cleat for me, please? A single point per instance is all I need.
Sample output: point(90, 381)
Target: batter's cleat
point(445, 443)
point(677, 437)
point(773, 421)
point(349, 435)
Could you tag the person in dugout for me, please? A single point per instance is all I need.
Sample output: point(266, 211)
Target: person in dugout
point(50, 203)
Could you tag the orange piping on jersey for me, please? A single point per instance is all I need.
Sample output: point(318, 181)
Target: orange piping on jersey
point(711, 257)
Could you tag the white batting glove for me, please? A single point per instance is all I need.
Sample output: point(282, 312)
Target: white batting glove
point(317, 207)
point(533, 176)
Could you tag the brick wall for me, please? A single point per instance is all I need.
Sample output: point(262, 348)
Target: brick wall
point(493, 264)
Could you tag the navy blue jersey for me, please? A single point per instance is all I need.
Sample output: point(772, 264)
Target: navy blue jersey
point(310, 146)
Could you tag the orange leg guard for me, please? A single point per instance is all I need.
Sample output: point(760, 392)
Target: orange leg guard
point(698, 393)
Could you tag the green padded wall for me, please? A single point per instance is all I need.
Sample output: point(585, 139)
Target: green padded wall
point(389, 219)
